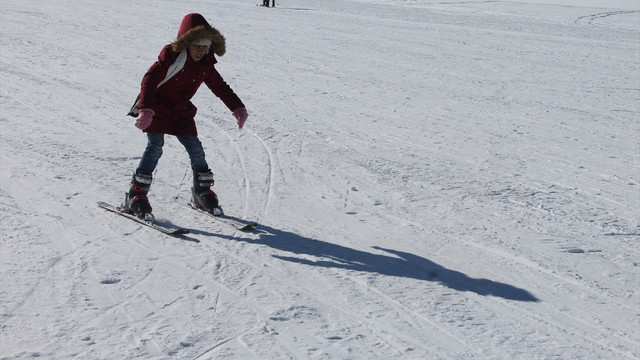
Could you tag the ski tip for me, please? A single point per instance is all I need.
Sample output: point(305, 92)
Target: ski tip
point(181, 231)
point(248, 227)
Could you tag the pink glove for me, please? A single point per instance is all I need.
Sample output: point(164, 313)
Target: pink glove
point(241, 115)
point(145, 116)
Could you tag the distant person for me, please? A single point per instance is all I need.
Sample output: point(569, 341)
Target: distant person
point(165, 108)
point(265, 3)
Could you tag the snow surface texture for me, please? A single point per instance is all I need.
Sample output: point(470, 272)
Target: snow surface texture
point(433, 179)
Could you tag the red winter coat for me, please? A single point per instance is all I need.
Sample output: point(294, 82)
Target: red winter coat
point(171, 102)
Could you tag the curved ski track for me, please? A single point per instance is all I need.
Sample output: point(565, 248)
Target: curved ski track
point(591, 19)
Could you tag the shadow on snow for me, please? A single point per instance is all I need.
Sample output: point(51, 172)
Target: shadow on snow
point(397, 263)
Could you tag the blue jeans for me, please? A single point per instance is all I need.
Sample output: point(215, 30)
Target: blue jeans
point(153, 152)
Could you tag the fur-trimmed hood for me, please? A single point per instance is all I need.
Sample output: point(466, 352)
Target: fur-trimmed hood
point(193, 28)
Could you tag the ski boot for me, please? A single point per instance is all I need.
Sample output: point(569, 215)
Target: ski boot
point(203, 197)
point(136, 201)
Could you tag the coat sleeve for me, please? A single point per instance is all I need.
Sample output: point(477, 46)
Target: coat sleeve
point(223, 91)
point(156, 73)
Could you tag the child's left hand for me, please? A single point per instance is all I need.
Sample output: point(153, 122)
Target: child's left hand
point(241, 116)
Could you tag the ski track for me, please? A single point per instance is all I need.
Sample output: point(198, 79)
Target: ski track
point(270, 180)
point(591, 19)
point(378, 238)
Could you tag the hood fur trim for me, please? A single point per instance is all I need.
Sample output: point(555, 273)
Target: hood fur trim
point(218, 42)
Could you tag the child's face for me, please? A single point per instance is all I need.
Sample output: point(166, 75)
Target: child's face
point(197, 52)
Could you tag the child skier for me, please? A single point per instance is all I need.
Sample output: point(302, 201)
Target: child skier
point(165, 108)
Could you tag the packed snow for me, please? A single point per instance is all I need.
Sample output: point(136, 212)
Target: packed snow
point(432, 180)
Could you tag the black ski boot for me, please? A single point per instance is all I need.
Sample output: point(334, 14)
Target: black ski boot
point(136, 201)
point(203, 197)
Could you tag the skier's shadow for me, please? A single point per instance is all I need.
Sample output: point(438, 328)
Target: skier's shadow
point(393, 263)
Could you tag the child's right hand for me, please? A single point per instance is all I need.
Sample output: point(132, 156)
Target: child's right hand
point(145, 116)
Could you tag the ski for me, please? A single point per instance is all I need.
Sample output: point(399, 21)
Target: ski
point(234, 223)
point(118, 210)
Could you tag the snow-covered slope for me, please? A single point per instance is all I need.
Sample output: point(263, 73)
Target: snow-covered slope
point(433, 180)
